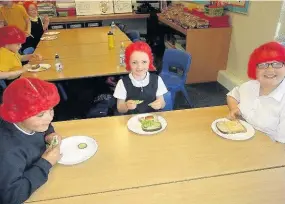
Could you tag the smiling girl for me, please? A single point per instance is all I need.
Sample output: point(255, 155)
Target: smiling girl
point(140, 91)
point(261, 101)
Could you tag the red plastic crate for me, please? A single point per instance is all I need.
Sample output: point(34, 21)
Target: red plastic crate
point(215, 22)
point(70, 11)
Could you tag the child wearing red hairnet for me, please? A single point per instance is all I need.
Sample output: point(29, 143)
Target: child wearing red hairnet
point(140, 91)
point(38, 25)
point(25, 128)
point(11, 39)
point(261, 101)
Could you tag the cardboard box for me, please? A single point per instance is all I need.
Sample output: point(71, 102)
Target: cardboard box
point(86, 8)
point(123, 6)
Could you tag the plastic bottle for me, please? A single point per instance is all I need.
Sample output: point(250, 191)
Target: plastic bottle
point(111, 40)
point(122, 55)
point(58, 64)
point(113, 27)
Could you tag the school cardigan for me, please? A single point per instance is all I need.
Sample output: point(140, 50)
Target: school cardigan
point(22, 170)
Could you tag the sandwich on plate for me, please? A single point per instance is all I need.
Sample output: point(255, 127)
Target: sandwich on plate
point(150, 123)
point(230, 127)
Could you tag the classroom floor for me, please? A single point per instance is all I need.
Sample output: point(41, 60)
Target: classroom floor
point(201, 95)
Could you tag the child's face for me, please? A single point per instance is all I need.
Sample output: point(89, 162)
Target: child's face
point(270, 73)
point(139, 63)
point(32, 11)
point(39, 122)
point(14, 47)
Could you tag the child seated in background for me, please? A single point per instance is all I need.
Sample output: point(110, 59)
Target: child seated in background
point(139, 91)
point(38, 25)
point(261, 101)
point(14, 14)
point(25, 129)
point(11, 39)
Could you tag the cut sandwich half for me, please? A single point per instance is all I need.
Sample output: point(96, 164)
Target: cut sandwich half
point(230, 127)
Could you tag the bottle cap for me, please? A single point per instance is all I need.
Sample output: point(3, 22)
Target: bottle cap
point(110, 33)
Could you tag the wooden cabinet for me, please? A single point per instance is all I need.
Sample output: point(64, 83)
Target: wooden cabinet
point(209, 49)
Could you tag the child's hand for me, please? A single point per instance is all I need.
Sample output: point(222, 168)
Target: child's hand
point(26, 67)
point(52, 155)
point(131, 105)
point(45, 22)
point(37, 57)
point(46, 19)
point(156, 105)
point(49, 138)
point(234, 114)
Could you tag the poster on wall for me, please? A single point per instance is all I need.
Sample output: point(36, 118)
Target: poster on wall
point(232, 6)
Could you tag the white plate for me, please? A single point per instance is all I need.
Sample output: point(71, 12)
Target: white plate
point(43, 67)
point(71, 154)
point(52, 33)
point(134, 124)
point(46, 38)
point(238, 136)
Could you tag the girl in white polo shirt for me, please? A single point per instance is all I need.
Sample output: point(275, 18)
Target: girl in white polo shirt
point(140, 91)
point(261, 101)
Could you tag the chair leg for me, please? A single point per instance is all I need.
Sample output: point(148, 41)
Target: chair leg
point(173, 94)
point(62, 91)
point(185, 93)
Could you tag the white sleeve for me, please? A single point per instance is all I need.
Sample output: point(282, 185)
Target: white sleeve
point(235, 93)
point(161, 88)
point(120, 91)
point(280, 137)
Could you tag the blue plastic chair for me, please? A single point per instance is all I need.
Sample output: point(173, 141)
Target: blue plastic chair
point(168, 102)
point(3, 84)
point(134, 35)
point(173, 81)
point(29, 50)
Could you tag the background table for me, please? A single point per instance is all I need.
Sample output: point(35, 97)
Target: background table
point(186, 150)
point(83, 36)
point(83, 52)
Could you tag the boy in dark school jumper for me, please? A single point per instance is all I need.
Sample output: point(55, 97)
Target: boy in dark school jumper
point(25, 128)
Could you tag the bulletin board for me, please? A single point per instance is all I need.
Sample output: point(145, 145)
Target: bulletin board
point(232, 6)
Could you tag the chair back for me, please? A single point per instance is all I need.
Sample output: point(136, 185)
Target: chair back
point(29, 50)
point(176, 62)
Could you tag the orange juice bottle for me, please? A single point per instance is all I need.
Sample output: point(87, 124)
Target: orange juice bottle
point(111, 40)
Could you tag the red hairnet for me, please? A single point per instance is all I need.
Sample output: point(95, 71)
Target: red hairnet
point(272, 51)
point(140, 47)
point(28, 3)
point(11, 35)
point(27, 97)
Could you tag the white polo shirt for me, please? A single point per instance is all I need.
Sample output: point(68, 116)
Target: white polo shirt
point(264, 113)
point(121, 93)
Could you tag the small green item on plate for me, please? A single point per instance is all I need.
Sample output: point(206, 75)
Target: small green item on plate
point(82, 145)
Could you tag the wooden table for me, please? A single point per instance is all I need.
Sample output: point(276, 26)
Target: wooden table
point(98, 17)
point(83, 52)
point(80, 51)
point(186, 150)
point(84, 36)
point(262, 187)
point(83, 67)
